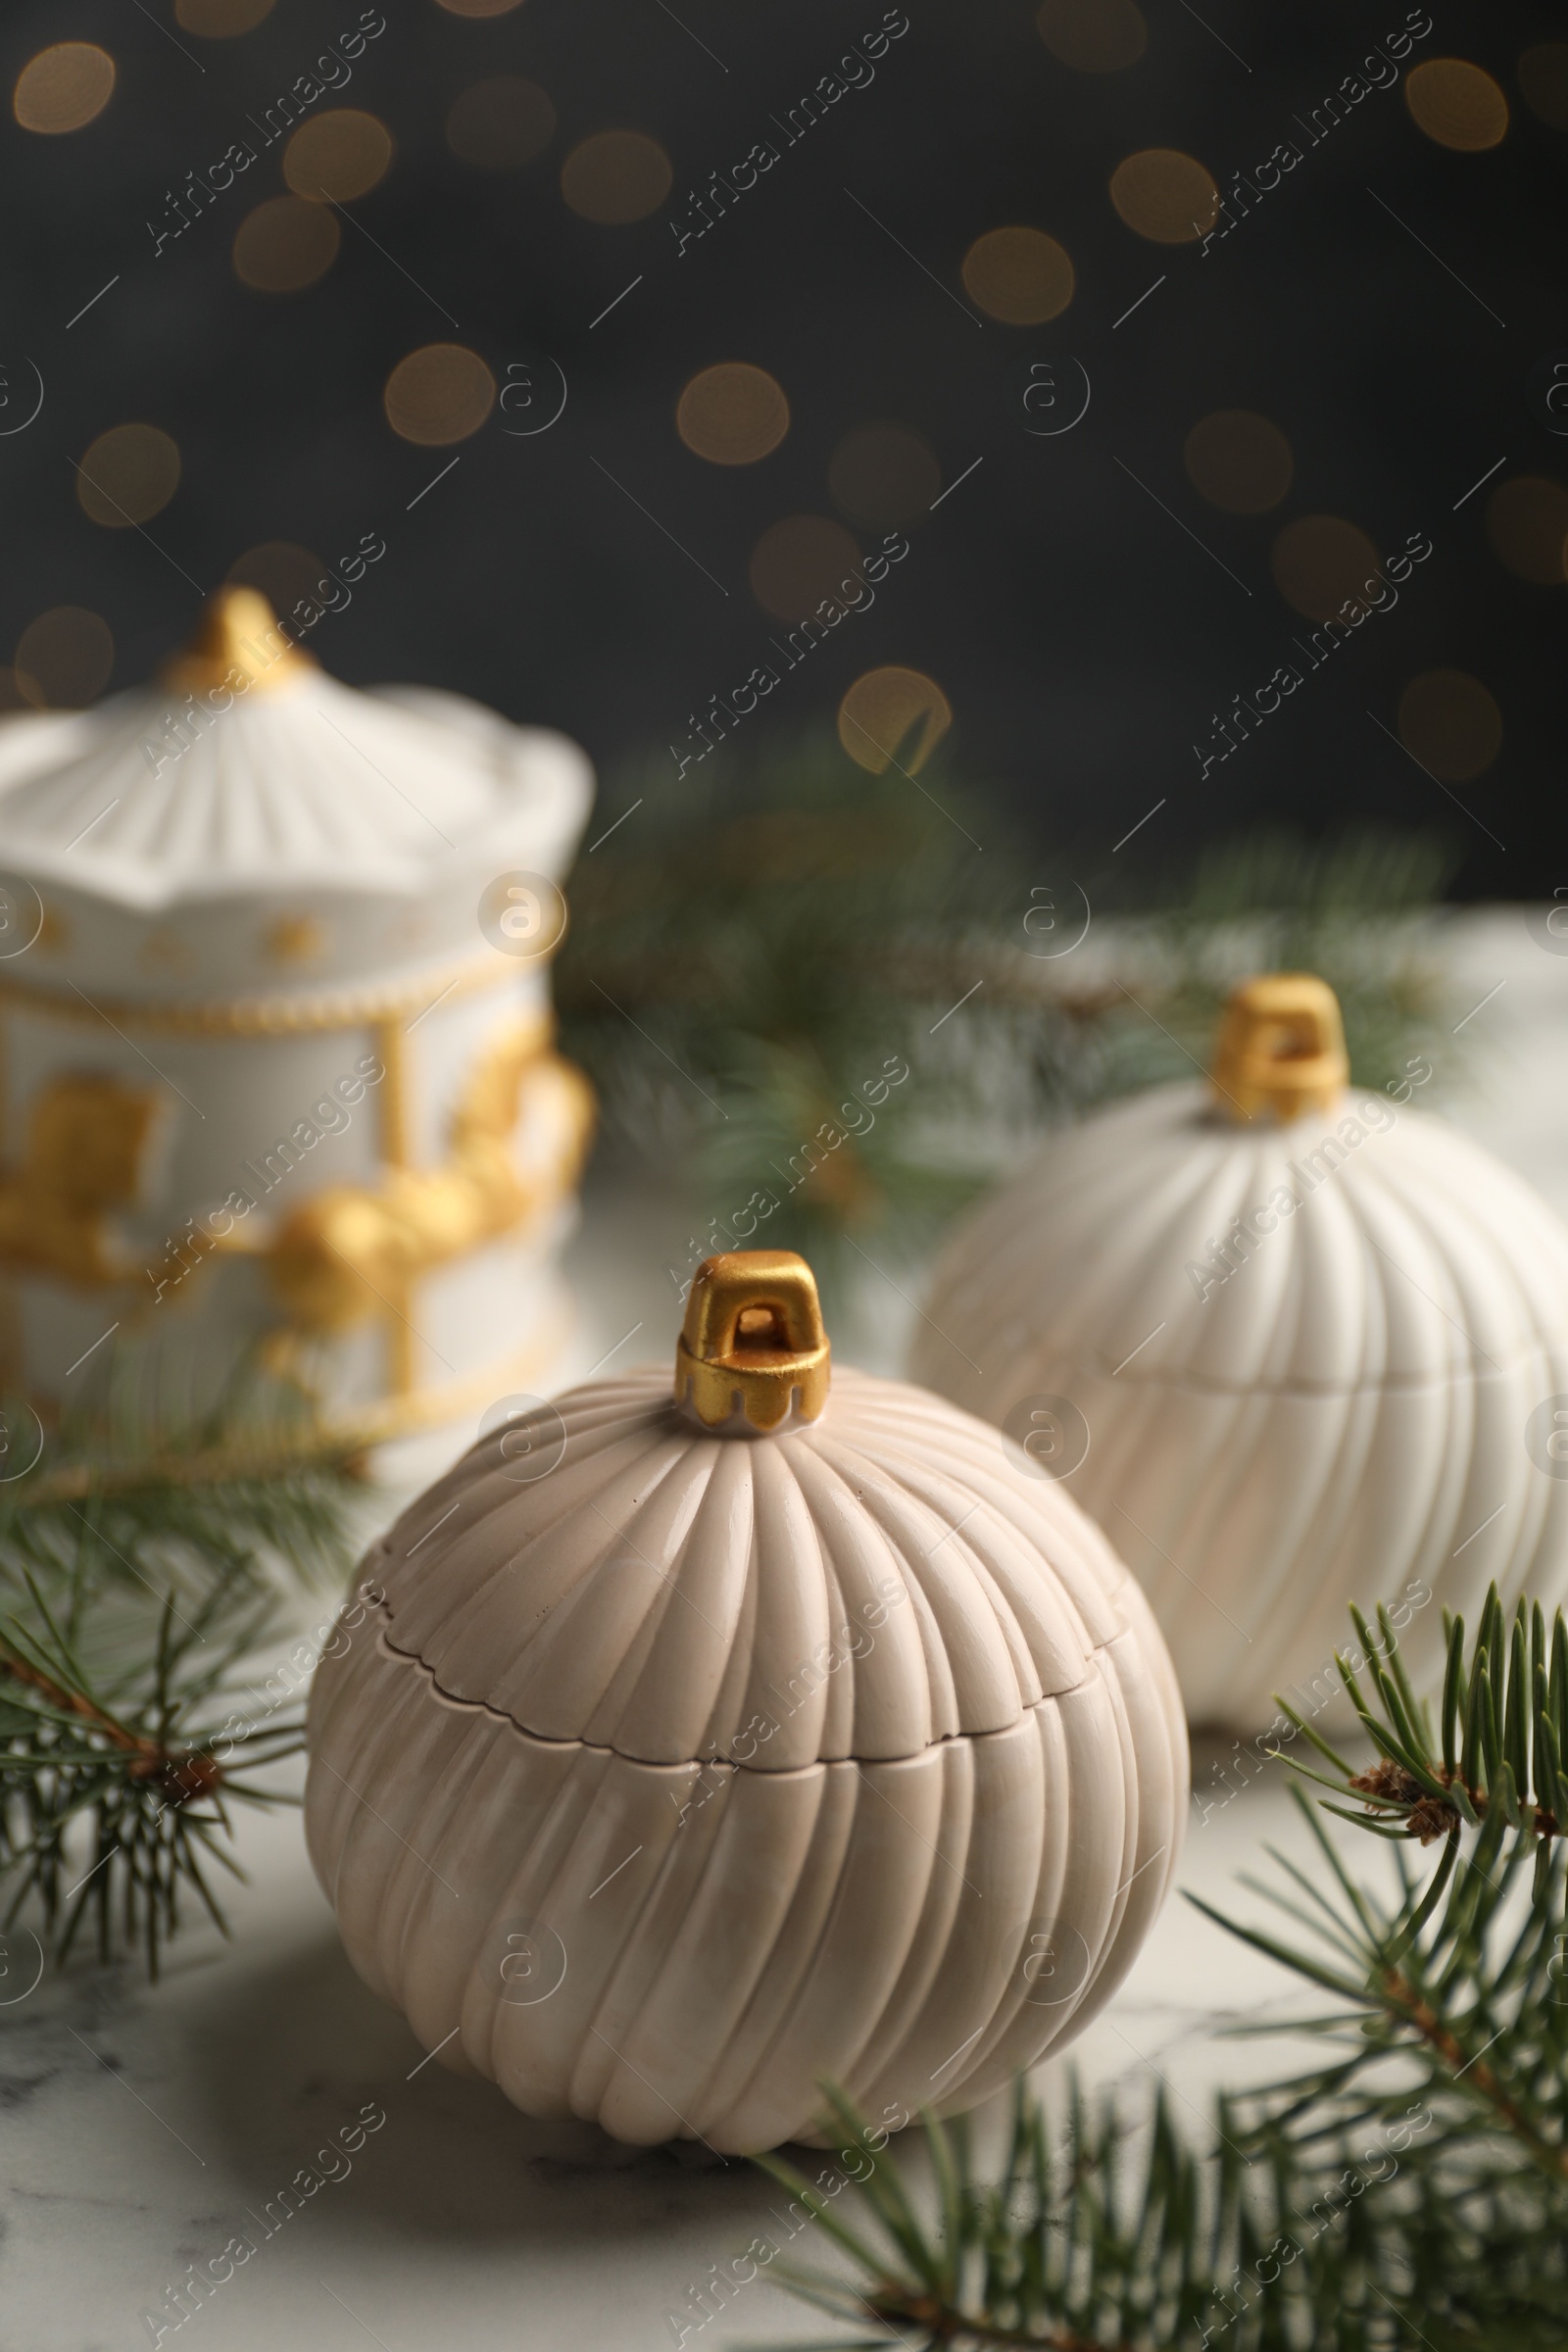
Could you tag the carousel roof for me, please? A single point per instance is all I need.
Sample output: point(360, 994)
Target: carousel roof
point(246, 769)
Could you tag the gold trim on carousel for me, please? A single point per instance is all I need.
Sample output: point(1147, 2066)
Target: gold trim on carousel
point(85, 1141)
point(392, 1112)
point(86, 1135)
point(269, 1016)
point(428, 1409)
point(353, 1254)
point(392, 1100)
point(323, 1436)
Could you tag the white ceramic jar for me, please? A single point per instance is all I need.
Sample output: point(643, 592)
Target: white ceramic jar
point(269, 1071)
point(1293, 1344)
point(682, 1751)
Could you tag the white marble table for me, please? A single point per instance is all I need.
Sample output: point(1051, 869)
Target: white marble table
point(145, 2129)
point(141, 2129)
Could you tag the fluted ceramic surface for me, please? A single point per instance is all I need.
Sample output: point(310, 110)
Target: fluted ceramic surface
point(1341, 1415)
point(699, 1768)
point(311, 783)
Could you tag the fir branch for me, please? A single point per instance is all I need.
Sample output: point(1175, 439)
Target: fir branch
point(239, 1471)
point(776, 929)
point(1412, 2189)
point(134, 1583)
point(1462, 1978)
point(1093, 2239)
point(137, 1763)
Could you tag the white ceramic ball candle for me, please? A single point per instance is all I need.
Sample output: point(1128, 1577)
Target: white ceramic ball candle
point(1293, 1344)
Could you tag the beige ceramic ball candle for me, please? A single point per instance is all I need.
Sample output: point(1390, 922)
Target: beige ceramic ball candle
point(682, 1751)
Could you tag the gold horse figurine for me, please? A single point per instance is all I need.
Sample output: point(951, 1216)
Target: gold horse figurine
point(87, 1137)
point(352, 1251)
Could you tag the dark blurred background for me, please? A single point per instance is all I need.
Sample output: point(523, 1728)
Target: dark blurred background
point(1392, 312)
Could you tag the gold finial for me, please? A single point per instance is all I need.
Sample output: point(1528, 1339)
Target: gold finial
point(238, 632)
point(1281, 1048)
point(753, 1339)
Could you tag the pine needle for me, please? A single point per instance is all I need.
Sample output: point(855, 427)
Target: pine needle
point(1411, 2190)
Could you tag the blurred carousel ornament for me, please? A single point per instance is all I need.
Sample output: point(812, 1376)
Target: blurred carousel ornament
point(680, 1750)
point(276, 1034)
point(1294, 1345)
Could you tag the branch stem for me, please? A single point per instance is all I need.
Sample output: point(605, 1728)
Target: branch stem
point(1408, 2004)
point(74, 1703)
point(947, 2325)
point(220, 1466)
point(193, 1771)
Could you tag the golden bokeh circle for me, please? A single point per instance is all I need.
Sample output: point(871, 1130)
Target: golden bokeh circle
point(881, 711)
point(884, 474)
point(797, 563)
point(500, 123)
point(128, 475)
point(1527, 523)
point(1018, 275)
point(281, 569)
point(337, 156)
point(478, 7)
point(1165, 195)
point(1544, 82)
point(285, 244)
point(64, 658)
point(11, 697)
point(220, 20)
point(1093, 36)
point(1237, 460)
point(1451, 724)
point(1319, 560)
point(64, 87)
point(733, 413)
point(1456, 104)
point(439, 394)
point(616, 177)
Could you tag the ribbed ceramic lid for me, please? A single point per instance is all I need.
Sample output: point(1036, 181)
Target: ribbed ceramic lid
point(1410, 1254)
point(855, 1585)
point(296, 782)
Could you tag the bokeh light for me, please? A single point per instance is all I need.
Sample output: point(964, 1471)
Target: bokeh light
point(1165, 195)
point(285, 244)
point(64, 658)
point(879, 714)
point(1456, 104)
point(799, 561)
point(1237, 460)
point(1319, 560)
point(500, 123)
point(281, 569)
point(1451, 724)
point(1093, 36)
point(439, 394)
point(220, 20)
point(733, 413)
point(1018, 275)
point(1544, 82)
point(616, 177)
point(337, 156)
point(64, 87)
point(128, 475)
point(884, 474)
point(1527, 523)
